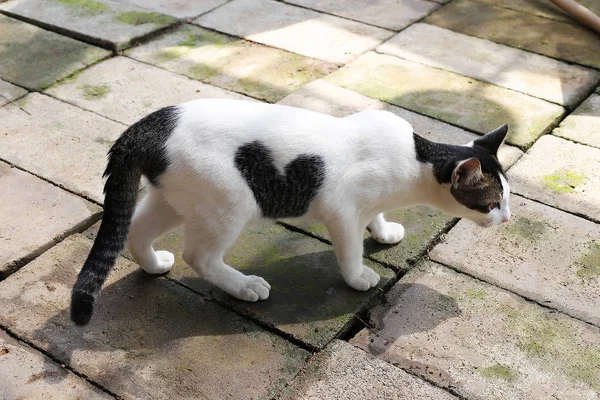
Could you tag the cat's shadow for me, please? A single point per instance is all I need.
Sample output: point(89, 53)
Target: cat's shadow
point(139, 317)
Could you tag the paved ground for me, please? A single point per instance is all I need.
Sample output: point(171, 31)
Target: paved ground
point(511, 312)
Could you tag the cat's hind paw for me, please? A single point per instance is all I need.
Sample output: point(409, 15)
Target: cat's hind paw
point(366, 280)
point(165, 261)
point(390, 233)
point(254, 288)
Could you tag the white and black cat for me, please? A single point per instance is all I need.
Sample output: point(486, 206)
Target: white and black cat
point(219, 165)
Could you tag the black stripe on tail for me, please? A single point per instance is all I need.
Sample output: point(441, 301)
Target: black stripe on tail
point(139, 151)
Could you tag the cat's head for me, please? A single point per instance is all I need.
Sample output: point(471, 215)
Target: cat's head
point(477, 182)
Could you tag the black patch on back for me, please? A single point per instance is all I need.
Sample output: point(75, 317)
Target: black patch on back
point(280, 196)
point(145, 142)
point(445, 157)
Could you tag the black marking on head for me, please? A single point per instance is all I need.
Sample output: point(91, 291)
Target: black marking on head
point(444, 159)
point(491, 142)
point(280, 196)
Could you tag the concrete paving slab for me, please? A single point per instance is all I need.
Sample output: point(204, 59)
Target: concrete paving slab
point(543, 254)
point(149, 337)
point(10, 92)
point(560, 173)
point(481, 341)
point(543, 8)
point(28, 374)
point(515, 69)
point(125, 90)
point(34, 215)
point(177, 8)
point(35, 58)
point(309, 298)
point(58, 141)
point(105, 23)
point(583, 125)
point(389, 14)
point(343, 371)
point(564, 41)
point(460, 100)
point(236, 64)
point(295, 29)
point(328, 98)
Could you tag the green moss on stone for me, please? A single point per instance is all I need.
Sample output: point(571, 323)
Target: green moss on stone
point(527, 228)
point(590, 262)
point(499, 371)
point(89, 7)
point(563, 181)
point(92, 92)
point(140, 18)
point(205, 38)
point(476, 293)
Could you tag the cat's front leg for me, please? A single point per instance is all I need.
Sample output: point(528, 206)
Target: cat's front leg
point(347, 239)
point(385, 232)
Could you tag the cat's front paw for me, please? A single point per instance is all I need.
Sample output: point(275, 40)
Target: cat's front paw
point(254, 288)
point(365, 281)
point(390, 233)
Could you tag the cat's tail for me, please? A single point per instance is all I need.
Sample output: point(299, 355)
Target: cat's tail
point(139, 151)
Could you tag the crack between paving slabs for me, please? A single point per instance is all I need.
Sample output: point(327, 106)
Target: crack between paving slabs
point(84, 37)
point(574, 213)
point(57, 361)
point(16, 265)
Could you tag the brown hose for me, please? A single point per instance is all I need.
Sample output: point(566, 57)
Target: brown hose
point(580, 13)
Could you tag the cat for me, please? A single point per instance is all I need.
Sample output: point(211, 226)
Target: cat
point(217, 165)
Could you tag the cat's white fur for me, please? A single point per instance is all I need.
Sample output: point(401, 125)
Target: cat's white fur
point(370, 164)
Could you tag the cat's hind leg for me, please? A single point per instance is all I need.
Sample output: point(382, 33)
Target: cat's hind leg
point(385, 232)
point(205, 243)
point(152, 218)
point(347, 239)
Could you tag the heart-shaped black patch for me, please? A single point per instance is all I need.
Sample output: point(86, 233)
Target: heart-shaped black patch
point(280, 196)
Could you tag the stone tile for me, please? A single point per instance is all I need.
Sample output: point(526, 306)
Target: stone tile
point(342, 371)
point(295, 29)
point(560, 173)
point(231, 63)
point(389, 14)
point(106, 23)
point(481, 341)
point(519, 70)
point(326, 97)
point(583, 125)
point(556, 39)
point(149, 337)
point(58, 141)
point(29, 374)
point(35, 58)
point(49, 213)
point(460, 100)
point(126, 90)
point(178, 8)
point(309, 298)
point(10, 92)
point(543, 8)
point(543, 254)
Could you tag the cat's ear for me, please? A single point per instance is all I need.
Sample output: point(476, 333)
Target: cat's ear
point(492, 141)
point(466, 172)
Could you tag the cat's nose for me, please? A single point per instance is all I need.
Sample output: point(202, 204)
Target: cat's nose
point(505, 219)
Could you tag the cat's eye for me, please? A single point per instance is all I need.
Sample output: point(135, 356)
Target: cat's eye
point(491, 206)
